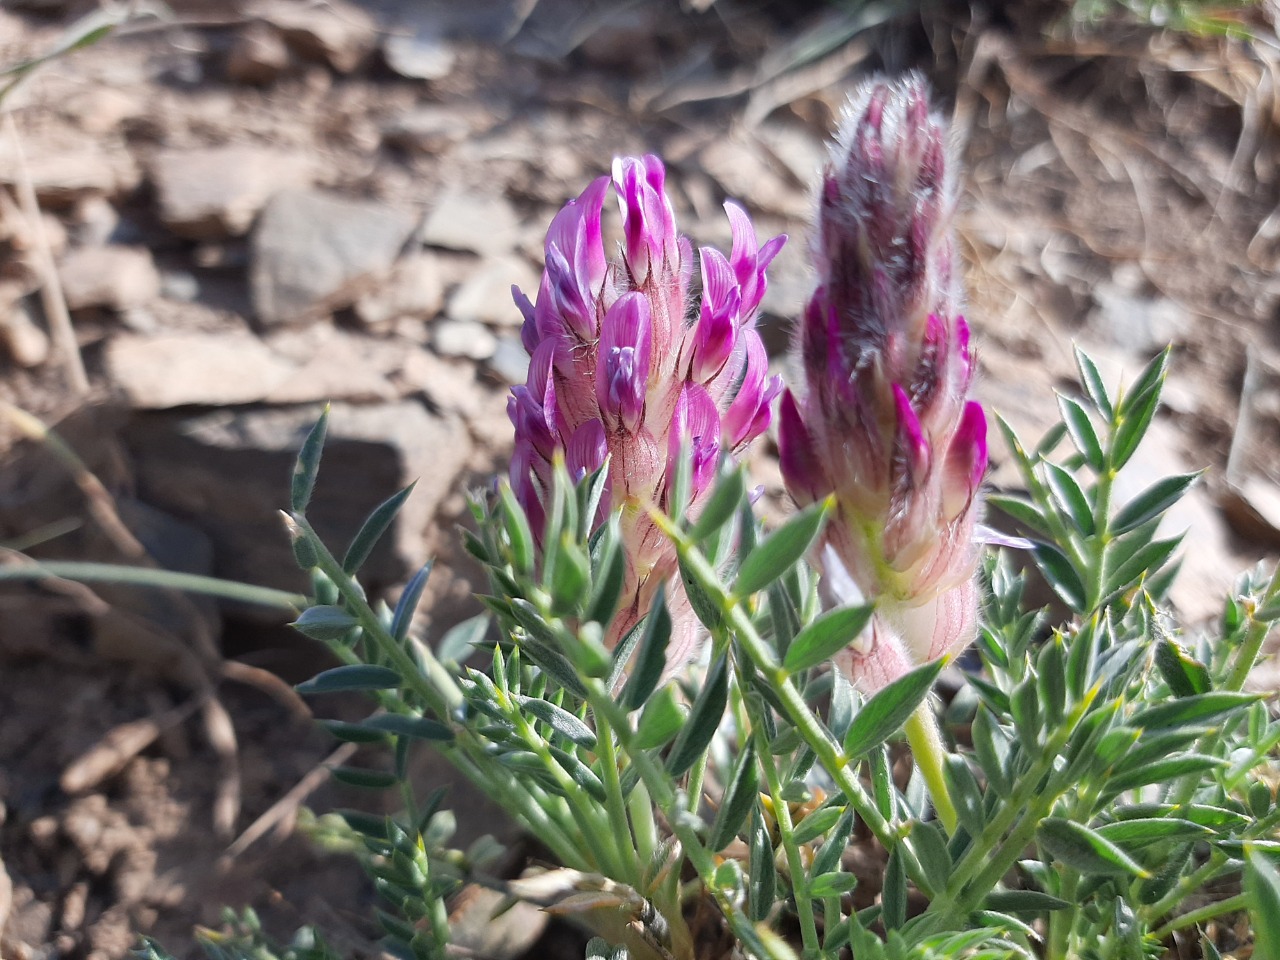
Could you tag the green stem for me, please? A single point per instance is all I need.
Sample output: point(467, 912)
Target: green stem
point(615, 802)
point(1062, 922)
point(1097, 565)
point(1231, 905)
point(1186, 886)
point(927, 748)
point(1247, 655)
point(786, 831)
point(811, 729)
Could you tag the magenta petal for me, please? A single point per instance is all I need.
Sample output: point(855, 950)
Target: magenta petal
point(695, 428)
point(626, 335)
point(746, 404)
point(966, 461)
point(714, 337)
point(910, 445)
point(797, 455)
point(586, 450)
point(576, 233)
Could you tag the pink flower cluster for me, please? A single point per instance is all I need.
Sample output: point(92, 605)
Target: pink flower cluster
point(885, 422)
point(627, 367)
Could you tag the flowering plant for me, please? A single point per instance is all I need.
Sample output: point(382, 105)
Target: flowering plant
point(1099, 786)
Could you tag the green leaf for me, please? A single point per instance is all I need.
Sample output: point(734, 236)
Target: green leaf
point(558, 719)
point(1142, 562)
point(1023, 511)
point(1061, 575)
point(817, 824)
point(373, 528)
point(780, 550)
point(1262, 885)
point(1189, 710)
point(1136, 410)
point(1070, 498)
point(886, 712)
point(1161, 771)
point(832, 885)
point(1082, 433)
point(762, 875)
point(1091, 380)
point(610, 566)
point(930, 846)
point(1022, 901)
point(307, 465)
point(402, 725)
point(456, 645)
point(570, 578)
point(408, 602)
point(893, 898)
point(362, 777)
point(324, 623)
point(651, 657)
point(1085, 850)
point(1152, 502)
point(833, 847)
point(1217, 818)
point(736, 804)
point(704, 719)
point(353, 732)
point(662, 718)
point(826, 636)
point(705, 604)
point(354, 676)
point(721, 506)
point(1132, 833)
point(519, 534)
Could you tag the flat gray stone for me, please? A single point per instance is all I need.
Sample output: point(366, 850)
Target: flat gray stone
point(116, 277)
point(485, 296)
point(479, 223)
point(462, 339)
point(215, 192)
point(227, 473)
point(312, 250)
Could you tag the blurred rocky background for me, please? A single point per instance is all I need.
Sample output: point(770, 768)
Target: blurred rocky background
point(217, 215)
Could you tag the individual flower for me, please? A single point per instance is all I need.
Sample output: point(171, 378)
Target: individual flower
point(626, 367)
point(885, 423)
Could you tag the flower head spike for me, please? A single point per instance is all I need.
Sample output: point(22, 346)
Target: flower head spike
point(885, 423)
point(625, 369)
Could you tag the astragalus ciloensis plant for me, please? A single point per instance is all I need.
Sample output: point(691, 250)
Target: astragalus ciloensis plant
point(1108, 785)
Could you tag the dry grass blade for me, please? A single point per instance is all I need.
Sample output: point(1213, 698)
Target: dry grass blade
point(282, 813)
point(55, 304)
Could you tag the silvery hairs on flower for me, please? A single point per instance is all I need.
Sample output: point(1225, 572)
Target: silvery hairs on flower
point(885, 423)
point(627, 367)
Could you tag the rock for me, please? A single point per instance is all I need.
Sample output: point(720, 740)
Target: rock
point(227, 473)
point(23, 338)
point(94, 222)
point(460, 338)
point(481, 223)
point(1141, 324)
point(338, 33)
point(64, 168)
point(510, 361)
point(115, 277)
point(414, 289)
point(800, 153)
point(748, 175)
point(485, 296)
point(420, 54)
point(215, 192)
point(179, 369)
point(429, 128)
point(100, 110)
point(311, 250)
point(1253, 510)
point(257, 56)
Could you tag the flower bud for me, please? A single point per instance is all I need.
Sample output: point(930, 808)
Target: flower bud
point(885, 422)
point(618, 375)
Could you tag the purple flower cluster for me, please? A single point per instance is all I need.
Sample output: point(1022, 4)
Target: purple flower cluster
point(625, 369)
point(885, 423)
